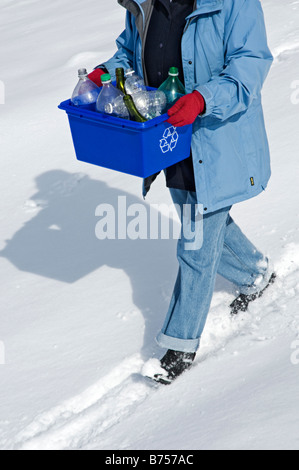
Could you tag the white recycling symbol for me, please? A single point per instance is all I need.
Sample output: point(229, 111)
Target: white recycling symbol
point(170, 140)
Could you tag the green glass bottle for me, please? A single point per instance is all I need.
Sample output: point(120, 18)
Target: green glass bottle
point(120, 80)
point(173, 87)
point(133, 111)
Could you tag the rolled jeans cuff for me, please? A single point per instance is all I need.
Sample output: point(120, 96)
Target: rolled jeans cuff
point(176, 344)
point(260, 282)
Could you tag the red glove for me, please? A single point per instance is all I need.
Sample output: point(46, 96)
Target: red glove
point(186, 109)
point(95, 76)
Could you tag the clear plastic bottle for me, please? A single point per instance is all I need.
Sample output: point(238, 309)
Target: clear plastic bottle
point(134, 113)
point(142, 103)
point(86, 92)
point(149, 103)
point(173, 87)
point(133, 82)
point(157, 103)
point(110, 100)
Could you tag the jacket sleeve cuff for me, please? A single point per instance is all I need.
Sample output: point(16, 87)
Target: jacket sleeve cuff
point(208, 99)
point(96, 75)
point(200, 101)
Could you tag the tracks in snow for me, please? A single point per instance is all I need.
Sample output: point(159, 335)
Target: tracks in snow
point(84, 418)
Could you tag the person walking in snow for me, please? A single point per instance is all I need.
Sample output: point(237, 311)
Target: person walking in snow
point(220, 48)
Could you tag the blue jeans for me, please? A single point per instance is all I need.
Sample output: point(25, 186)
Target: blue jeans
point(225, 250)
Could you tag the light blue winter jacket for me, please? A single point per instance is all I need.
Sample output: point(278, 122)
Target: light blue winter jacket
point(226, 58)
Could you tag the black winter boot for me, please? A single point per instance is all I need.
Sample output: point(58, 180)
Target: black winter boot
point(174, 363)
point(241, 303)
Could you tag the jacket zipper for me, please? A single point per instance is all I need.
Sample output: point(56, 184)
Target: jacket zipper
point(143, 41)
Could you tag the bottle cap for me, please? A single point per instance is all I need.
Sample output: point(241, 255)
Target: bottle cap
point(106, 78)
point(82, 72)
point(173, 71)
point(130, 71)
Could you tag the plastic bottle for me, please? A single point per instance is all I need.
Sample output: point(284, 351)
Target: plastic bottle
point(157, 103)
point(173, 87)
point(86, 92)
point(142, 102)
point(110, 100)
point(133, 82)
point(150, 104)
point(134, 113)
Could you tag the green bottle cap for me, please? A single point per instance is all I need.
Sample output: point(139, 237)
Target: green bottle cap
point(106, 78)
point(174, 71)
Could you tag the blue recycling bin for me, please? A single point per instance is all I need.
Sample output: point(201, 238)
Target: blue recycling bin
point(139, 149)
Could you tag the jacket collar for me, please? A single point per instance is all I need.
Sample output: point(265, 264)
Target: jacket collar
point(202, 6)
point(207, 6)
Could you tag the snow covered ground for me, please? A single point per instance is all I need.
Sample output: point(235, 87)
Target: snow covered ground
point(78, 316)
